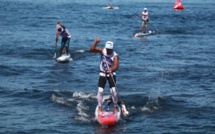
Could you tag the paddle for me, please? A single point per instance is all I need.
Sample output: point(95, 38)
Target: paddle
point(55, 54)
point(124, 110)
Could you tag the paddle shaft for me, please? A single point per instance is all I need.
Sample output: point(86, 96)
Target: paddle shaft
point(116, 88)
point(55, 54)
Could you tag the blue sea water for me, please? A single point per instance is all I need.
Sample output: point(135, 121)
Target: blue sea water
point(167, 80)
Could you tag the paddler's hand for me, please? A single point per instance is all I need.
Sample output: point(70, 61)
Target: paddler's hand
point(97, 40)
point(110, 70)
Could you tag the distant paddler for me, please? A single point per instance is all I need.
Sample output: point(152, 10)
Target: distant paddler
point(145, 19)
point(62, 31)
point(109, 6)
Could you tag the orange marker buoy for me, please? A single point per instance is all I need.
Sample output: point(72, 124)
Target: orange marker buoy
point(178, 5)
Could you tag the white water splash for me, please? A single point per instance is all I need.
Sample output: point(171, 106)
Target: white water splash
point(80, 51)
point(60, 100)
point(83, 95)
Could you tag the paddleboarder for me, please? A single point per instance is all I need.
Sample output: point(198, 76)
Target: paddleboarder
point(145, 19)
point(62, 31)
point(109, 63)
point(109, 6)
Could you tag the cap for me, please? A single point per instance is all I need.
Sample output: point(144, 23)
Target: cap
point(145, 9)
point(109, 45)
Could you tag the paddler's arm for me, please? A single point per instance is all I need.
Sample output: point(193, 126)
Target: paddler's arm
point(147, 17)
point(115, 66)
point(63, 27)
point(93, 47)
point(138, 16)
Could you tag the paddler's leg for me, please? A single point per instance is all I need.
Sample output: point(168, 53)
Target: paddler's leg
point(114, 97)
point(101, 85)
point(67, 50)
point(61, 50)
point(142, 26)
point(62, 46)
point(67, 46)
point(113, 91)
point(147, 31)
point(100, 97)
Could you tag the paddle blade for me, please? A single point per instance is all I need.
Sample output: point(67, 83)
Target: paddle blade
point(54, 55)
point(124, 110)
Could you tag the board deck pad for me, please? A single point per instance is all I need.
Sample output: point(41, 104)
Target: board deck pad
point(107, 117)
point(140, 34)
point(64, 58)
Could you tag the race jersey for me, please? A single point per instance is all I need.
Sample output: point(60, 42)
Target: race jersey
point(106, 60)
point(65, 32)
point(57, 26)
point(144, 15)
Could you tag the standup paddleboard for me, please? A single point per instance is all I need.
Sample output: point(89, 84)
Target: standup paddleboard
point(64, 58)
point(107, 117)
point(111, 7)
point(143, 34)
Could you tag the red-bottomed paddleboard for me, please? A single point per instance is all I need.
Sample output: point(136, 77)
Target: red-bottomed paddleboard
point(107, 117)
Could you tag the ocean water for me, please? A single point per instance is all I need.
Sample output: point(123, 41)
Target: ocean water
point(167, 80)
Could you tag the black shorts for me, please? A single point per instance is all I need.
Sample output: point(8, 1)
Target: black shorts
point(103, 80)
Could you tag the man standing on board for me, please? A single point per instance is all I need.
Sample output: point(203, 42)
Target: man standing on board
point(145, 19)
point(109, 63)
point(62, 31)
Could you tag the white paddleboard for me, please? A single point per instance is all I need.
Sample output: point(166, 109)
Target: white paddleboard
point(143, 34)
point(107, 117)
point(64, 58)
point(111, 8)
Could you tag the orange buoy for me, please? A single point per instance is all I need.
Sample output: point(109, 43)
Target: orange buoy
point(178, 5)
